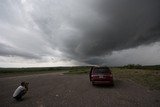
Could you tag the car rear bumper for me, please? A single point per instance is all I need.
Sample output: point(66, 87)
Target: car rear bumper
point(103, 82)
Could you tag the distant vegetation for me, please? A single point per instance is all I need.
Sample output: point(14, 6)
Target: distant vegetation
point(76, 69)
point(72, 70)
point(138, 66)
point(27, 70)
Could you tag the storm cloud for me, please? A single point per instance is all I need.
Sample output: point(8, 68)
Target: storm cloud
point(122, 25)
point(81, 31)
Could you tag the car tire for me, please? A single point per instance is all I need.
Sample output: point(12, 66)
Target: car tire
point(112, 84)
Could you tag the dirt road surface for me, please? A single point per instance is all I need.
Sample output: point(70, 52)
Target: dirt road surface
point(58, 90)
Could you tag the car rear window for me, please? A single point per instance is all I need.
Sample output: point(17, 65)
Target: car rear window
point(100, 70)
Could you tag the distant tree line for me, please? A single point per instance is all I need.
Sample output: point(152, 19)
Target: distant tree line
point(138, 66)
point(133, 66)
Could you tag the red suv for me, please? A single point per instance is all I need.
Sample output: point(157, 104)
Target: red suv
point(101, 75)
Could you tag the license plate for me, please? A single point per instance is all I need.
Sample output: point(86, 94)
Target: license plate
point(101, 76)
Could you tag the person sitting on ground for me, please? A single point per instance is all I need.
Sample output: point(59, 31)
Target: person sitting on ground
point(20, 91)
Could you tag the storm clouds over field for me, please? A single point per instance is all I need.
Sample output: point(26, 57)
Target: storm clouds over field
point(79, 32)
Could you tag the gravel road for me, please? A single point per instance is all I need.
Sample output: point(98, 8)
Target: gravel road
point(58, 90)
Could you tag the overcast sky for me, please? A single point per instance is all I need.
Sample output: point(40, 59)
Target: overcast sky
point(36, 33)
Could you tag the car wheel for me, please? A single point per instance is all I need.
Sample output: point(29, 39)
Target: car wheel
point(112, 84)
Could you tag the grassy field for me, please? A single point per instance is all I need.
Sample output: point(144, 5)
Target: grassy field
point(149, 78)
point(27, 71)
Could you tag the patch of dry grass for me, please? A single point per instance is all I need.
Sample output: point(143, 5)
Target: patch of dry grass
point(150, 78)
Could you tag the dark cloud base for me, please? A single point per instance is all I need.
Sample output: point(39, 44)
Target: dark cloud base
point(124, 24)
